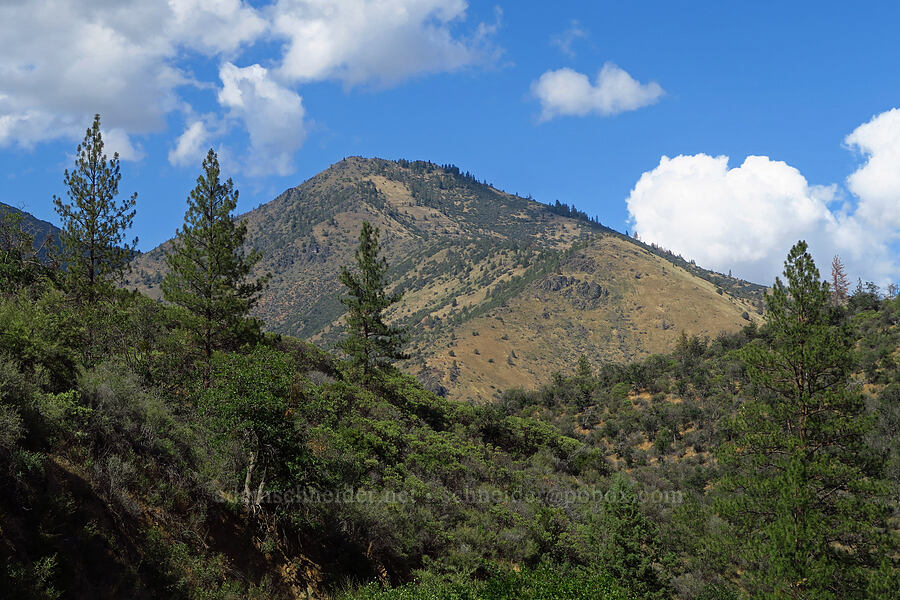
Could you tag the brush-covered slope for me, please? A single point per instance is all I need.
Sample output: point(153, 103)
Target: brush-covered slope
point(508, 285)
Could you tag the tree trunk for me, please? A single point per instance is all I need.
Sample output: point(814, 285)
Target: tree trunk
point(250, 467)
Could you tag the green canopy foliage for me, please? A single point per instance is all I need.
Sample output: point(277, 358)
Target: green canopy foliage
point(94, 248)
point(209, 272)
point(370, 343)
point(803, 487)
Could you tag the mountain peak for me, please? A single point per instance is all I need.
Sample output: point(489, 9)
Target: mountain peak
point(495, 287)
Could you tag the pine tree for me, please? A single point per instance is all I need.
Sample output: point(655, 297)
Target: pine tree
point(583, 368)
point(209, 273)
point(803, 488)
point(93, 225)
point(15, 242)
point(632, 551)
point(584, 382)
point(371, 343)
point(840, 284)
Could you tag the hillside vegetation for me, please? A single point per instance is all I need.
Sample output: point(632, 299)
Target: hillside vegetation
point(123, 475)
point(284, 476)
point(173, 449)
point(469, 258)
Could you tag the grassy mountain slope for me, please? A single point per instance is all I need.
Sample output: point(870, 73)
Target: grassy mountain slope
point(608, 300)
point(472, 258)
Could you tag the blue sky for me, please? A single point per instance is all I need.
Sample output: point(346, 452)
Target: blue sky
point(516, 93)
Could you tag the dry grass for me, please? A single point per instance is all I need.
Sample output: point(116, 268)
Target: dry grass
point(549, 333)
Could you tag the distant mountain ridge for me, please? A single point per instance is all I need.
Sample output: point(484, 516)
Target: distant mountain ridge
point(498, 290)
point(40, 230)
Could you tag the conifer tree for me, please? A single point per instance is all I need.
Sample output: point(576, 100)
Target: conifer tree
point(209, 273)
point(371, 343)
point(804, 489)
point(15, 242)
point(632, 550)
point(584, 381)
point(840, 284)
point(95, 251)
point(583, 368)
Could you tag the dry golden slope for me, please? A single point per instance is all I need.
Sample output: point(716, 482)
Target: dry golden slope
point(511, 289)
point(643, 306)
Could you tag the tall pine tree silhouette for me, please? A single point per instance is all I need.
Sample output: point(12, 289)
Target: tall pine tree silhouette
point(95, 251)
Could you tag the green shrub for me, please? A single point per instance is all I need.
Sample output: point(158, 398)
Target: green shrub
point(546, 582)
point(125, 416)
point(30, 581)
point(41, 335)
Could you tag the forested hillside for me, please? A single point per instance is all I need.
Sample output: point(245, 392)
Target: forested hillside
point(124, 476)
point(175, 449)
point(472, 260)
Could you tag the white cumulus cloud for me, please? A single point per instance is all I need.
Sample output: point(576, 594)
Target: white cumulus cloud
point(64, 60)
point(215, 26)
point(191, 146)
point(116, 140)
point(565, 92)
point(379, 41)
point(746, 218)
point(877, 182)
point(273, 115)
